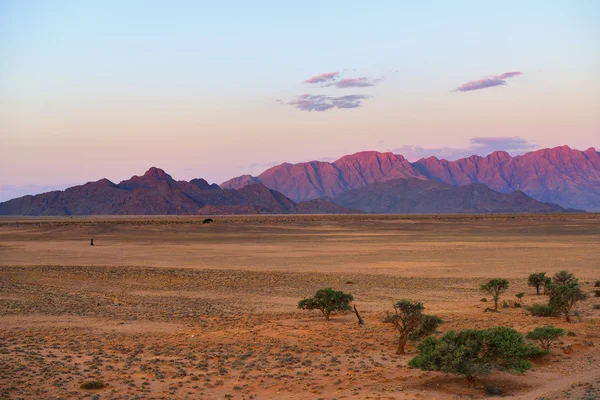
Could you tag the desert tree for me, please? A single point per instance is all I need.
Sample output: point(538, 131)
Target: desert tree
point(546, 336)
point(519, 297)
point(564, 297)
point(564, 278)
point(327, 301)
point(475, 352)
point(495, 287)
point(410, 322)
point(538, 281)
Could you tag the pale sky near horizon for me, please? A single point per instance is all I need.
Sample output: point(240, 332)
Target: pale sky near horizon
point(218, 89)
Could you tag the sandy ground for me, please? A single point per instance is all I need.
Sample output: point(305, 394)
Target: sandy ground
point(168, 307)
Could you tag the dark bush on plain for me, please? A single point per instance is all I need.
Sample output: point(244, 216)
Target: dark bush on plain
point(91, 385)
point(543, 310)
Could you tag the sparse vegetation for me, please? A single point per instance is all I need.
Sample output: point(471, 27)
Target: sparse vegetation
point(538, 281)
point(411, 323)
point(474, 352)
point(327, 301)
point(495, 287)
point(546, 336)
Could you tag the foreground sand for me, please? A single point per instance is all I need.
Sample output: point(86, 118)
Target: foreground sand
point(171, 308)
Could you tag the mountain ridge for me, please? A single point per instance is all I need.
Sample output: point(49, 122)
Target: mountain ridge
point(157, 193)
point(561, 175)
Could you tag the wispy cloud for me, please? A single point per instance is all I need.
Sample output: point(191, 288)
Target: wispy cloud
point(478, 145)
point(309, 102)
point(322, 78)
point(354, 83)
point(488, 81)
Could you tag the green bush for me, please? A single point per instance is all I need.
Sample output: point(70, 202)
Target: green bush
point(543, 310)
point(597, 284)
point(327, 301)
point(597, 293)
point(596, 306)
point(475, 352)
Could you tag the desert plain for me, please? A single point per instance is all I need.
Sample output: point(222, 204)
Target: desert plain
point(170, 308)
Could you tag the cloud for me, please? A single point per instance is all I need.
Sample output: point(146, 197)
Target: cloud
point(488, 81)
point(478, 145)
point(310, 102)
point(322, 78)
point(354, 83)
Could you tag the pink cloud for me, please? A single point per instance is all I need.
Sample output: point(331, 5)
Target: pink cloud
point(488, 81)
point(308, 102)
point(355, 82)
point(321, 78)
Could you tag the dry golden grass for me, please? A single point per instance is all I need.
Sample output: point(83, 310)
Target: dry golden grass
point(167, 307)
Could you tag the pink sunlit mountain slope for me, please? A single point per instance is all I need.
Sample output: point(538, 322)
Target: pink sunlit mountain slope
point(568, 177)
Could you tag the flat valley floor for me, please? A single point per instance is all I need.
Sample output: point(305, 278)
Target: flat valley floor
point(170, 308)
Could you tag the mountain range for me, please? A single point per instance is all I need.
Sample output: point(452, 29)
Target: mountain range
point(561, 175)
point(157, 193)
point(363, 182)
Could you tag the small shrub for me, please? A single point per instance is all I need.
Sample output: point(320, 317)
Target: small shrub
point(349, 283)
point(483, 300)
point(596, 306)
point(542, 310)
point(597, 293)
point(505, 304)
point(91, 385)
point(208, 221)
point(571, 333)
point(597, 284)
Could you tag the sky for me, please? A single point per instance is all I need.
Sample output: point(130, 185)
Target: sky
point(94, 89)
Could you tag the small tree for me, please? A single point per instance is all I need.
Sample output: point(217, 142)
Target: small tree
point(474, 352)
point(519, 296)
point(538, 281)
point(546, 336)
point(564, 278)
point(327, 301)
point(564, 297)
point(411, 323)
point(495, 287)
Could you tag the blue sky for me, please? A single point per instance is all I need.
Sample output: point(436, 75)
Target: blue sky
point(210, 89)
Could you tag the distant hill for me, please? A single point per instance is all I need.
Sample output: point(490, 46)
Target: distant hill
point(416, 196)
point(157, 193)
point(560, 175)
